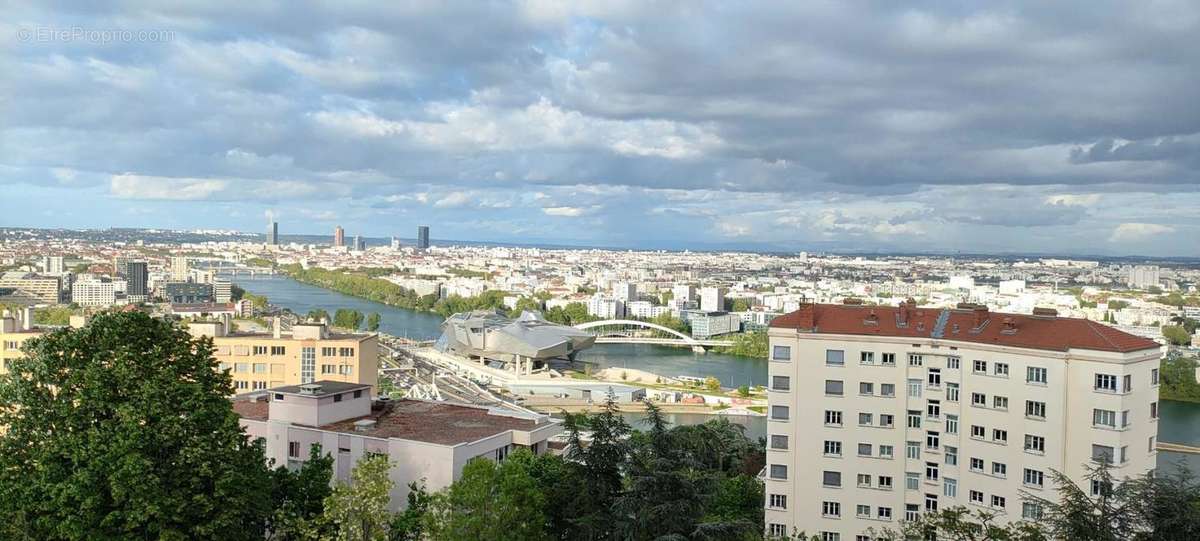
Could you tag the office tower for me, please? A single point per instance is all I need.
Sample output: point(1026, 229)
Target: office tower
point(422, 237)
point(395, 243)
point(47, 289)
point(359, 244)
point(119, 269)
point(137, 279)
point(879, 414)
point(179, 268)
point(339, 237)
point(273, 234)
point(222, 291)
point(712, 299)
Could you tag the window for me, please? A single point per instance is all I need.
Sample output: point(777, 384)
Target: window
point(887, 420)
point(308, 364)
point(999, 469)
point(950, 487)
point(934, 377)
point(1124, 418)
point(779, 441)
point(1105, 382)
point(329, 369)
point(1000, 436)
point(345, 370)
point(833, 448)
point(885, 451)
point(1150, 445)
point(978, 431)
point(1000, 369)
point(328, 351)
point(865, 419)
point(1154, 410)
point(278, 350)
point(933, 409)
point(862, 511)
point(912, 449)
point(1034, 478)
point(831, 478)
point(833, 387)
point(980, 367)
point(781, 353)
point(1035, 409)
point(778, 471)
point(832, 418)
point(241, 367)
point(337, 398)
point(1102, 453)
point(912, 512)
point(885, 482)
point(1031, 511)
point(888, 359)
point(914, 388)
point(952, 424)
point(1124, 454)
point(831, 536)
point(1153, 376)
point(1034, 374)
point(864, 480)
point(1106, 418)
point(883, 513)
point(293, 449)
point(777, 530)
point(887, 389)
point(778, 501)
point(915, 360)
point(358, 394)
point(260, 368)
point(931, 503)
point(914, 419)
point(866, 388)
point(345, 352)
point(780, 413)
point(835, 357)
point(978, 399)
point(259, 385)
point(278, 396)
point(931, 471)
point(952, 392)
point(1127, 383)
point(976, 497)
point(976, 464)
point(1000, 402)
point(781, 383)
point(259, 350)
point(912, 481)
point(953, 362)
point(1035, 444)
point(951, 455)
point(933, 440)
point(998, 501)
point(867, 357)
point(1099, 487)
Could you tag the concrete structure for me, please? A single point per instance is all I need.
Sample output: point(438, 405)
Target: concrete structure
point(257, 361)
point(187, 292)
point(683, 292)
point(273, 234)
point(1143, 276)
point(590, 390)
point(712, 299)
point(137, 280)
point(179, 268)
point(359, 244)
point(521, 346)
point(97, 291)
point(15, 329)
point(423, 237)
point(878, 414)
point(712, 324)
point(606, 307)
point(52, 265)
point(339, 237)
point(1012, 287)
point(47, 289)
point(425, 441)
point(625, 292)
point(222, 291)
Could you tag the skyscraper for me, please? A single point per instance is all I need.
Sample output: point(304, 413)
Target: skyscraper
point(359, 244)
point(179, 268)
point(339, 236)
point(137, 276)
point(273, 234)
point(422, 237)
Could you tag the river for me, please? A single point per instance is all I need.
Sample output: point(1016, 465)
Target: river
point(1179, 421)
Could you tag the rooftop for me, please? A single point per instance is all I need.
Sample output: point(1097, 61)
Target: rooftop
point(322, 388)
point(968, 324)
point(434, 422)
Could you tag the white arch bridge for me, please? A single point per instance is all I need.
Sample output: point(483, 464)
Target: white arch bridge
point(631, 331)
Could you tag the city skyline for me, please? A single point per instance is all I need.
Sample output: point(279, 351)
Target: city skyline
point(1005, 129)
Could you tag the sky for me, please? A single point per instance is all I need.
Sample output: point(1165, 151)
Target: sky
point(986, 127)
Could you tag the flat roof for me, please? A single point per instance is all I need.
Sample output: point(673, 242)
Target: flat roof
point(289, 336)
point(327, 388)
point(434, 422)
point(1042, 332)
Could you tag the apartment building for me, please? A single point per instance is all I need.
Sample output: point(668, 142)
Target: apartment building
point(14, 331)
point(878, 414)
point(309, 352)
point(47, 289)
point(429, 441)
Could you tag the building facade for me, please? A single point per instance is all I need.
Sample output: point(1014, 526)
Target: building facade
point(187, 292)
point(712, 299)
point(47, 289)
point(339, 236)
point(710, 324)
point(96, 291)
point(422, 237)
point(879, 414)
point(273, 234)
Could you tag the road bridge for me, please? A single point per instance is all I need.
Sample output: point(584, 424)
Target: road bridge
point(632, 331)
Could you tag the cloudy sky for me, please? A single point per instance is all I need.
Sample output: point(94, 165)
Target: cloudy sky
point(1065, 127)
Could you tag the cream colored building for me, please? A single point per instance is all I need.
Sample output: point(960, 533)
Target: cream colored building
point(14, 331)
point(257, 361)
point(47, 289)
point(877, 414)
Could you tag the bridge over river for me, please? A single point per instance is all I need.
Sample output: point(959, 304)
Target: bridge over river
point(631, 331)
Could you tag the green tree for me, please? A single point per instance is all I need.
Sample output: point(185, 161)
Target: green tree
point(298, 496)
point(347, 319)
point(259, 302)
point(601, 462)
point(1079, 515)
point(959, 523)
point(740, 305)
point(317, 314)
point(145, 443)
point(373, 322)
point(712, 384)
point(1176, 335)
point(358, 511)
point(490, 501)
point(1178, 379)
point(408, 525)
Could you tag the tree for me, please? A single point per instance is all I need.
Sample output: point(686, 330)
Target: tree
point(299, 496)
point(145, 443)
point(1176, 335)
point(1179, 379)
point(408, 525)
point(317, 314)
point(712, 384)
point(959, 523)
point(740, 305)
point(259, 302)
point(1079, 515)
point(347, 319)
point(490, 501)
point(601, 462)
point(358, 511)
point(373, 322)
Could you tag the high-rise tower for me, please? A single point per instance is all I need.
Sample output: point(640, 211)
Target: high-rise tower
point(422, 237)
point(339, 236)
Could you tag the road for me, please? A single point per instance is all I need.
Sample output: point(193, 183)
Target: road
point(408, 371)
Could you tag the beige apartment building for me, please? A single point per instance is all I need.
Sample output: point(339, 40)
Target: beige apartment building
point(46, 289)
point(878, 414)
point(427, 442)
point(309, 352)
point(14, 331)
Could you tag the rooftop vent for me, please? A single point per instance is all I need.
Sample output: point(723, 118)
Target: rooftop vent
point(1045, 312)
point(364, 425)
point(310, 388)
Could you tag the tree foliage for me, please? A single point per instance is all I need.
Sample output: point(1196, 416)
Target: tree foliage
point(347, 319)
point(491, 501)
point(373, 321)
point(358, 511)
point(1178, 379)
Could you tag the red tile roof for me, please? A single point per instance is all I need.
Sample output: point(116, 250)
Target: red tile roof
point(1014, 330)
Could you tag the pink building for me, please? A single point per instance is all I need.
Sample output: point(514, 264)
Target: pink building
point(425, 440)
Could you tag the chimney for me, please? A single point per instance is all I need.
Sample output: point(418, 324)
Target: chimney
point(904, 311)
point(277, 324)
point(807, 315)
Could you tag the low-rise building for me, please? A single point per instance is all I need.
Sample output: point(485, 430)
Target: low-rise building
point(97, 291)
point(521, 346)
point(709, 324)
point(47, 289)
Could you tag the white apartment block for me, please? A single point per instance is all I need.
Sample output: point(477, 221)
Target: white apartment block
point(624, 291)
point(96, 291)
point(712, 299)
point(683, 292)
point(645, 309)
point(605, 307)
point(878, 414)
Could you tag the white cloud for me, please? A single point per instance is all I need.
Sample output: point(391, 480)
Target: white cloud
point(1137, 231)
point(130, 186)
point(564, 211)
point(1074, 200)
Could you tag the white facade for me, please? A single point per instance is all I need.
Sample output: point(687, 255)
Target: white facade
point(712, 299)
point(961, 282)
point(865, 430)
point(624, 291)
point(606, 307)
point(96, 292)
point(222, 291)
point(683, 292)
point(645, 309)
point(1012, 287)
point(179, 268)
point(53, 265)
point(1143, 276)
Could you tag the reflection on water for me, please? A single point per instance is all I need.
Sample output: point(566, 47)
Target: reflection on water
point(669, 361)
